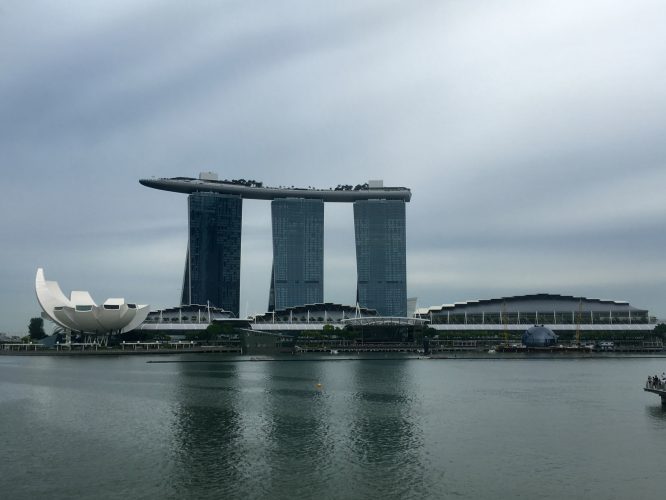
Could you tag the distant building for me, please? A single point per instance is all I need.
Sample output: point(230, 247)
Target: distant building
point(212, 264)
point(187, 319)
point(193, 314)
point(381, 256)
point(297, 277)
point(411, 306)
point(557, 312)
point(314, 314)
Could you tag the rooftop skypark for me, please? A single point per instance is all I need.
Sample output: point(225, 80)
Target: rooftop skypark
point(252, 189)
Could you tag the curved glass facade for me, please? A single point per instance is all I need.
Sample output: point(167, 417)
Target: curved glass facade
point(297, 277)
point(381, 267)
point(212, 267)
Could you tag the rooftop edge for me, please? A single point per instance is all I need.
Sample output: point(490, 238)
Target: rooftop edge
point(257, 191)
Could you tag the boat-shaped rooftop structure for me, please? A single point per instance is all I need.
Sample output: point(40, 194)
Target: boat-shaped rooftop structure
point(257, 191)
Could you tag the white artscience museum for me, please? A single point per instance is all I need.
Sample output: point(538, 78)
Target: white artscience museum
point(80, 313)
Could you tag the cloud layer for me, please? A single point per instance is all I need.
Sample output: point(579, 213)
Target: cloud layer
point(531, 134)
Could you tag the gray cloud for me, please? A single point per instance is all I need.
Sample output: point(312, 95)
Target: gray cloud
point(531, 134)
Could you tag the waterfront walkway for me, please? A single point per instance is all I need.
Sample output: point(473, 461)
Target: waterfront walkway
point(128, 349)
point(655, 386)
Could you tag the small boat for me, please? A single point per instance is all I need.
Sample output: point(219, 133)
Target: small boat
point(334, 351)
point(492, 351)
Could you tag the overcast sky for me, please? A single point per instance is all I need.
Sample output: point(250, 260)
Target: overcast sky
point(532, 134)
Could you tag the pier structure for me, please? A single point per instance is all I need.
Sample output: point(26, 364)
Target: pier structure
point(212, 270)
point(656, 386)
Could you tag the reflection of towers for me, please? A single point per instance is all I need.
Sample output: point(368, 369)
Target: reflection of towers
point(206, 433)
point(380, 256)
point(212, 266)
point(297, 277)
point(386, 429)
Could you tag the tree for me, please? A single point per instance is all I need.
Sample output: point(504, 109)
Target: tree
point(36, 329)
point(215, 329)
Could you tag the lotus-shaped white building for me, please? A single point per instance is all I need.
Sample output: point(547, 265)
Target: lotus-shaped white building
point(79, 313)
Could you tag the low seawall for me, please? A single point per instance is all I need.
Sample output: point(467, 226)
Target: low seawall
point(121, 352)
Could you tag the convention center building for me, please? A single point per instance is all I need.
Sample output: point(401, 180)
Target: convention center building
point(557, 312)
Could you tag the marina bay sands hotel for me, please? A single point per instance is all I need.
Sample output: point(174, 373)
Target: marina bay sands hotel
point(212, 265)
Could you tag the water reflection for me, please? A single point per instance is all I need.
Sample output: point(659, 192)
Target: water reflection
point(386, 438)
point(657, 414)
point(251, 429)
point(297, 434)
point(208, 444)
point(394, 429)
point(248, 429)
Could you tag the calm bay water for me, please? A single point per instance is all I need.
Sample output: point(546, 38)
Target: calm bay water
point(120, 427)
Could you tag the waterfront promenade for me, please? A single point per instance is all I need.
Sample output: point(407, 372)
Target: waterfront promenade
point(133, 348)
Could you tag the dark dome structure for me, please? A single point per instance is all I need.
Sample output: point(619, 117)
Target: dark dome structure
point(539, 336)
